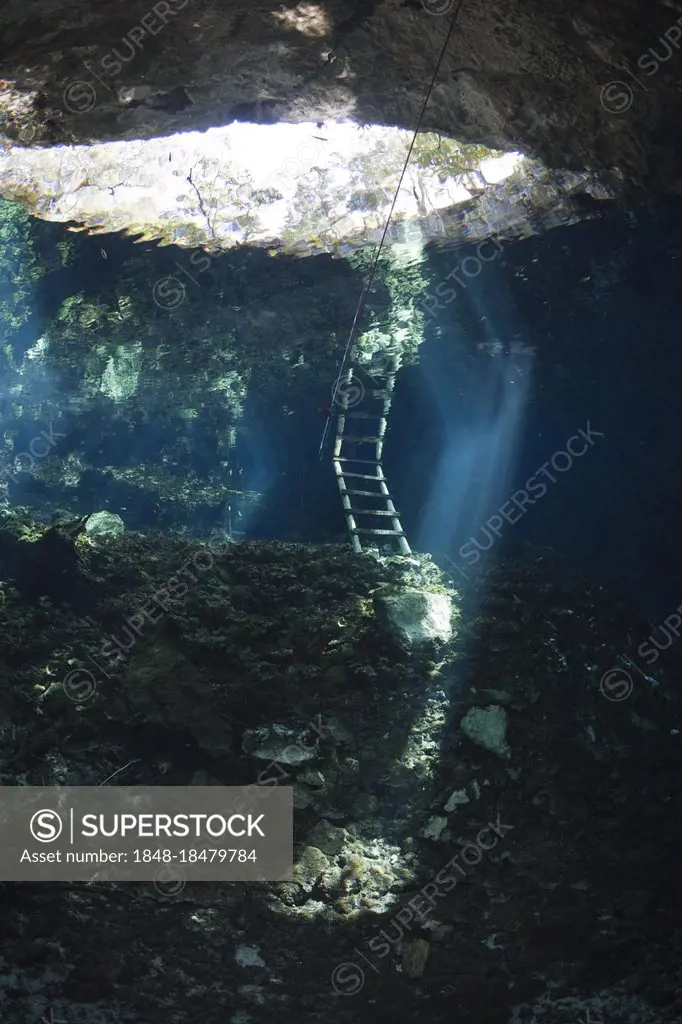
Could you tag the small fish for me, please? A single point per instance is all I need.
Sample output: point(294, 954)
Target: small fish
point(103, 254)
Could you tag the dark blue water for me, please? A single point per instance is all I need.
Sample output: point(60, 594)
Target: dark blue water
point(573, 330)
point(595, 310)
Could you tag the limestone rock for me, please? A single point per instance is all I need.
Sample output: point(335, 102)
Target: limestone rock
point(457, 798)
point(435, 827)
point(310, 865)
point(415, 955)
point(418, 616)
point(488, 728)
point(102, 526)
point(277, 743)
point(328, 837)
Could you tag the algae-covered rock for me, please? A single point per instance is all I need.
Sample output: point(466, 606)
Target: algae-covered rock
point(278, 743)
point(435, 827)
point(328, 837)
point(490, 913)
point(488, 728)
point(103, 526)
point(415, 955)
point(310, 865)
point(44, 561)
point(418, 616)
point(458, 797)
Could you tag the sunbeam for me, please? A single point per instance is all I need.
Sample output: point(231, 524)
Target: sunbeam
point(483, 416)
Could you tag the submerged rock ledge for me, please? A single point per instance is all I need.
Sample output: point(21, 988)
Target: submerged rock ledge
point(500, 742)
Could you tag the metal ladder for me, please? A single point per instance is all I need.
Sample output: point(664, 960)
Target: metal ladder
point(374, 417)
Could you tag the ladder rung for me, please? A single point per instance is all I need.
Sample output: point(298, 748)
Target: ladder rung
point(356, 439)
point(370, 512)
point(362, 476)
point(367, 494)
point(383, 391)
point(366, 462)
point(384, 533)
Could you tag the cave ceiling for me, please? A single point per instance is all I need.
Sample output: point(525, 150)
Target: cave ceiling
point(587, 90)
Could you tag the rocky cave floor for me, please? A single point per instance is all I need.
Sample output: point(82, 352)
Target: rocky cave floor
point(572, 914)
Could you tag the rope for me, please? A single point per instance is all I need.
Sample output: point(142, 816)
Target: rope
point(368, 283)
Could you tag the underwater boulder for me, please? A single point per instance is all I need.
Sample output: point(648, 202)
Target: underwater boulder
point(417, 616)
point(491, 838)
point(104, 526)
point(487, 727)
point(277, 743)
